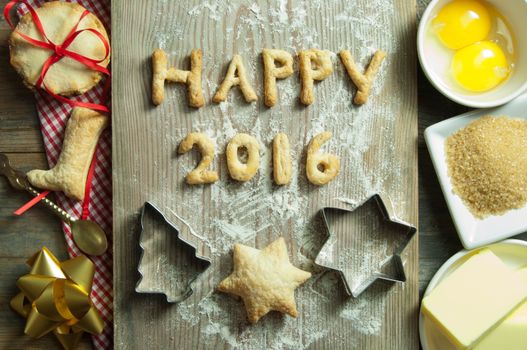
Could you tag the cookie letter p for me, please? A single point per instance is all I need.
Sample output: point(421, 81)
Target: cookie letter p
point(191, 78)
point(271, 72)
point(314, 65)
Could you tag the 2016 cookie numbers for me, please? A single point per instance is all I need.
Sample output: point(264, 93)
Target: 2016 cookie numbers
point(321, 168)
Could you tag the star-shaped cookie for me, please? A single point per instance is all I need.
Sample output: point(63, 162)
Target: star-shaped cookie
point(264, 279)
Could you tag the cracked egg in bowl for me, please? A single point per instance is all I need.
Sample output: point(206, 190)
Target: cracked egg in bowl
point(475, 51)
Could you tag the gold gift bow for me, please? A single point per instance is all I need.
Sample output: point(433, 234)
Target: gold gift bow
point(55, 296)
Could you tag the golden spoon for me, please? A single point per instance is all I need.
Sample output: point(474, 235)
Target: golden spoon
point(87, 235)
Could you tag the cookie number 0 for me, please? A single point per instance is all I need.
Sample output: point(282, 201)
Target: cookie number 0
point(238, 170)
point(200, 175)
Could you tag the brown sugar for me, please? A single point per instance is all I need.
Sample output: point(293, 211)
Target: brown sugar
point(487, 164)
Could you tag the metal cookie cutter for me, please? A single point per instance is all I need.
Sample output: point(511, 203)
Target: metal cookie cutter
point(370, 250)
point(151, 282)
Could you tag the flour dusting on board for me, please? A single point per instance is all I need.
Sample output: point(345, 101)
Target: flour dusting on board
point(256, 212)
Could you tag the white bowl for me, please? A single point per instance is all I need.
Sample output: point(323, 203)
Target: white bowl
point(515, 11)
point(512, 252)
point(474, 232)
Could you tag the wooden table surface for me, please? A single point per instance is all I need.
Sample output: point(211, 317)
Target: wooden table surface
point(20, 237)
point(145, 168)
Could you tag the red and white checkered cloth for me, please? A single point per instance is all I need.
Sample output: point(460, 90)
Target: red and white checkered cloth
point(53, 116)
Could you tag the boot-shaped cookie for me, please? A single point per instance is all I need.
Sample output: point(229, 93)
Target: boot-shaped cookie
point(69, 174)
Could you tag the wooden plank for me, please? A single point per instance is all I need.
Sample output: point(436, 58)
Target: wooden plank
point(37, 227)
point(19, 125)
point(438, 239)
point(17, 100)
point(23, 140)
point(27, 161)
point(146, 168)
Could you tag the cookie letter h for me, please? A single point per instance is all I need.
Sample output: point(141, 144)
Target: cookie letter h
point(192, 78)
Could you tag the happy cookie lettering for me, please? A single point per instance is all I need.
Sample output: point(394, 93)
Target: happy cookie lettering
point(313, 65)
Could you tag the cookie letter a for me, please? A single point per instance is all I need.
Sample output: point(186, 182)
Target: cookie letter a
point(235, 76)
point(192, 78)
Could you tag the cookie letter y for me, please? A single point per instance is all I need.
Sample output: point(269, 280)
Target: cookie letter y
point(363, 82)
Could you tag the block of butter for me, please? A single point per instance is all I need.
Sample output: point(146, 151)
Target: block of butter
point(511, 334)
point(471, 301)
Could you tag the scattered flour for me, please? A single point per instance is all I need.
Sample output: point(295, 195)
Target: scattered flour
point(256, 212)
point(359, 312)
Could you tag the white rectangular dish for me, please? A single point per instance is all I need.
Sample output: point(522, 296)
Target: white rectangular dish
point(474, 232)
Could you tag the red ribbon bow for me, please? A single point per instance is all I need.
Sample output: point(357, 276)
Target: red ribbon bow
point(61, 50)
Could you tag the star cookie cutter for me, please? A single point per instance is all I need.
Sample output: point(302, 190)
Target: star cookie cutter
point(391, 268)
point(147, 282)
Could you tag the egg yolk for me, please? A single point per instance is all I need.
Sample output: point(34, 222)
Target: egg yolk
point(461, 23)
point(480, 66)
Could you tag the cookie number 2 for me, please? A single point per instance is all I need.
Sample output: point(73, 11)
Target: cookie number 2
point(200, 175)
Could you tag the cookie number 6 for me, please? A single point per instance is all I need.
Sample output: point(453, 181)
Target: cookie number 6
point(200, 175)
point(321, 168)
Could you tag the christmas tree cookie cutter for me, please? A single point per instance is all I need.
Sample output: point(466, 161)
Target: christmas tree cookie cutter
point(152, 280)
point(340, 249)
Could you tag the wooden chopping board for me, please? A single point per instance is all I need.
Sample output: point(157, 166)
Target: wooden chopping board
point(377, 144)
